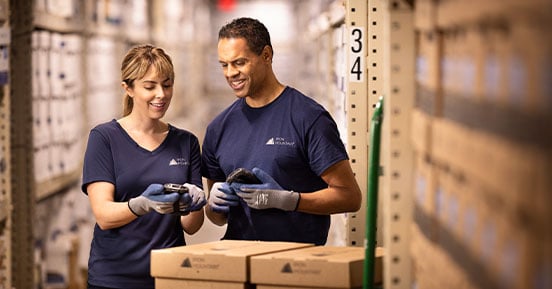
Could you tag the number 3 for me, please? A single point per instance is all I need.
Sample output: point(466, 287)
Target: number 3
point(357, 34)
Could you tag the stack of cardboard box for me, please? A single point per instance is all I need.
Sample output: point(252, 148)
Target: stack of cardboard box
point(232, 264)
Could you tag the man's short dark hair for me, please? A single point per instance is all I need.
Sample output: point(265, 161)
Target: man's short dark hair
point(252, 30)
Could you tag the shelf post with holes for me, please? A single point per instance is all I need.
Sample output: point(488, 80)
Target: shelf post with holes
point(397, 152)
point(21, 143)
point(375, 61)
point(356, 108)
point(5, 184)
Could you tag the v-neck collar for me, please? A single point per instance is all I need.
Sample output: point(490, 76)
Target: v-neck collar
point(131, 140)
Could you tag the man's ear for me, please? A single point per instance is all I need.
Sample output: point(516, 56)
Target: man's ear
point(267, 53)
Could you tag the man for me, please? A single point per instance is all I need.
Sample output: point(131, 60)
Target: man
point(286, 139)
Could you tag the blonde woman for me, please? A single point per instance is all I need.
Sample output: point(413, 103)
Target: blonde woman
point(126, 165)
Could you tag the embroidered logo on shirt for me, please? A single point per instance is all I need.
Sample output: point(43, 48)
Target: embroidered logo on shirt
point(281, 141)
point(179, 162)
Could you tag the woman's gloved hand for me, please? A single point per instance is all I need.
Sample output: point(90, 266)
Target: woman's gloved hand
point(153, 198)
point(193, 200)
point(267, 195)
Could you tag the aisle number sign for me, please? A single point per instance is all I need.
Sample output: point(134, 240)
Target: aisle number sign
point(357, 66)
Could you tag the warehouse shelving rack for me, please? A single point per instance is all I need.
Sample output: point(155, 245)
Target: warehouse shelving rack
point(387, 70)
point(483, 145)
point(23, 21)
point(20, 264)
point(21, 93)
point(370, 26)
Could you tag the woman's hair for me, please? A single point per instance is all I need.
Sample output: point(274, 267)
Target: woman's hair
point(136, 63)
point(252, 30)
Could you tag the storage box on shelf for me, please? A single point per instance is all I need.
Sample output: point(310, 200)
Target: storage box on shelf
point(493, 173)
point(429, 67)
point(57, 96)
point(433, 266)
point(425, 191)
point(488, 149)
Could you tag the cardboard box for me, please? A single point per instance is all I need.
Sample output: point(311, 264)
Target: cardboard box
point(425, 15)
point(421, 124)
point(226, 260)
point(313, 267)
point(296, 287)
point(168, 283)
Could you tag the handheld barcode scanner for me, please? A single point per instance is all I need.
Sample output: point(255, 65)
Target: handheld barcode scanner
point(175, 188)
point(180, 189)
point(242, 176)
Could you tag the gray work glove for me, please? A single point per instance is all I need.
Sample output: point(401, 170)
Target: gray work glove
point(222, 197)
point(153, 198)
point(269, 194)
point(194, 200)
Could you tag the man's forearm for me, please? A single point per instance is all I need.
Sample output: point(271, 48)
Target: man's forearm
point(218, 219)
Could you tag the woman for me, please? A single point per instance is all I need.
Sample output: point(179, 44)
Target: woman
point(126, 165)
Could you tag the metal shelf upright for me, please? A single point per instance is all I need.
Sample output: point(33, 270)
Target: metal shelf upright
point(397, 151)
point(5, 191)
point(356, 111)
point(21, 144)
point(5, 167)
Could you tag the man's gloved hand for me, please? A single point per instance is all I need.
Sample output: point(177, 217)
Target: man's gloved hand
point(193, 200)
point(153, 198)
point(269, 194)
point(222, 197)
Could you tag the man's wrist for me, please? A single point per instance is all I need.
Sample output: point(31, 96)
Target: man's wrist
point(291, 202)
point(298, 200)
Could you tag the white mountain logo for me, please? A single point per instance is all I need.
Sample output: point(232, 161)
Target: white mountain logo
point(179, 162)
point(280, 141)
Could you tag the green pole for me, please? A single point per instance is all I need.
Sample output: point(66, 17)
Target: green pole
point(372, 195)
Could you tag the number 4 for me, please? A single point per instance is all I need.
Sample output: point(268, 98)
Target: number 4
point(357, 69)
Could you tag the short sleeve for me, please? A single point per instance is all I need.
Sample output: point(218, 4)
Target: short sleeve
point(98, 161)
point(195, 157)
point(325, 146)
point(210, 167)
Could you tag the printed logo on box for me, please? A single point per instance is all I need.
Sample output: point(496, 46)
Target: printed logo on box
point(300, 268)
point(287, 268)
point(187, 263)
